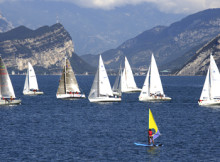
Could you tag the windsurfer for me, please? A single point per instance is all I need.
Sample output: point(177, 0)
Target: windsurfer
point(150, 136)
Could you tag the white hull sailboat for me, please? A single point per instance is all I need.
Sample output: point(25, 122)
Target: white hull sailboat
point(105, 99)
point(68, 86)
point(31, 85)
point(211, 90)
point(7, 95)
point(127, 79)
point(101, 89)
point(152, 89)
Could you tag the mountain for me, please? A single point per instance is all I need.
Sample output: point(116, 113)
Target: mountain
point(92, 30)
point(167, 43)
point(45, 47)
point(199, 63)
point(5, 25)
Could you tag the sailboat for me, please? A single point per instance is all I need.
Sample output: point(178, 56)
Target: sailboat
point(117, 85)
point(153, 126)
point(68, 86)
point(30, 85)
point(211, 90)
point(152, 89)
point(7, 95)
point(101, 89)
point(128, 83)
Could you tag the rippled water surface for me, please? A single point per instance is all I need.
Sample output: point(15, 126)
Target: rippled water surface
point(44, 128)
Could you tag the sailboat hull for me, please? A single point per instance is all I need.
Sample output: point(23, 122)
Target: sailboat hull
point(10, 102)
point(209, 102)
point(148, 98)
point(117, 93)
point(105, 99)
point(131, 90)
point(69, 96)
point(33, 93)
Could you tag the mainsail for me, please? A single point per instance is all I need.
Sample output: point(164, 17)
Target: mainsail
point(6, 90)
point(205, 91)
point(155, 82)
point(62, 86)
point(71, 82)
point(104, 84)
point(153, 125)
point(145, 90)
point(68, 82)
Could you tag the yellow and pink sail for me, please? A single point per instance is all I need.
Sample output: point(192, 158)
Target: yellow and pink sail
point(153, 125)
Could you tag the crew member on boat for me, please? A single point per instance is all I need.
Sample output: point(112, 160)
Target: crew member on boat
point(150, 136)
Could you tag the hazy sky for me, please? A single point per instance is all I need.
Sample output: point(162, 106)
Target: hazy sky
point(168, 6)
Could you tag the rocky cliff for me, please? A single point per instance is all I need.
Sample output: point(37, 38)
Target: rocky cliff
point(167, 43)
point(199, 63)
point(45, 48)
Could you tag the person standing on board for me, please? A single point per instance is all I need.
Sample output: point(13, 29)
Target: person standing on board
point(150, 136)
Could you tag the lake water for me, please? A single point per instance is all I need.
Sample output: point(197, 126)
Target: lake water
point(44, 128)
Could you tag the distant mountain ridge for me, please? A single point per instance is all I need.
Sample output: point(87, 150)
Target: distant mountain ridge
point(45, 47)
point(167, 43)
point(93, 30)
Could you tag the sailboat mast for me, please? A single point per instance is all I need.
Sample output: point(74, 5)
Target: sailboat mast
point(98, 88)
point(210, 81)
point(28, 74)
point(149, 81)
point(65, 76)
point(126, 74)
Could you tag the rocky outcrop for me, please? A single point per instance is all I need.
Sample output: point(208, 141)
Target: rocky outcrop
point(199, 63)
point(45, 48)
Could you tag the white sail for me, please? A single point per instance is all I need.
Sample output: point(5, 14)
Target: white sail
point(32, 77)
point(123, 81)
point(94, 92)
point(104, 84)
point(205, 91)
point(155, 82)
point(145, 89)
point(127, 79)
point(26, 83)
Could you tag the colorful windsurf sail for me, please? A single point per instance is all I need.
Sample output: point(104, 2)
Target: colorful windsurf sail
point(153, 125)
